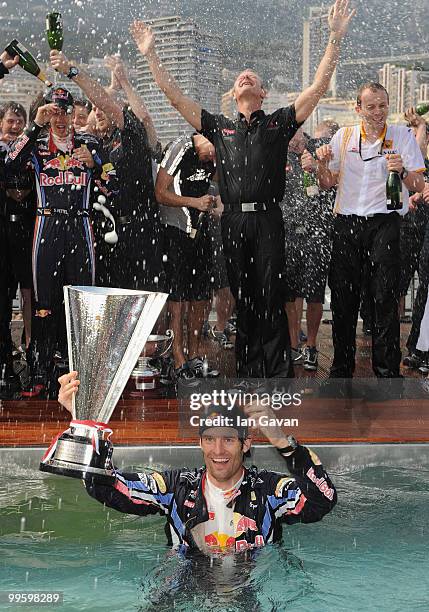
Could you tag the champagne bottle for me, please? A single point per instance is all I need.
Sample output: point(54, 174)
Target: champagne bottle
point(54, 31)
point(309, 182)
point(422, 109)
point(394, 191)
point(27, 61)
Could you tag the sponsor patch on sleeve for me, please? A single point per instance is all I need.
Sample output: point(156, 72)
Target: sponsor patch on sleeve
point(160, 482)
point(281, 486)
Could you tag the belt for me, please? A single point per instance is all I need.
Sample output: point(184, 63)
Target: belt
point(250, 206)
point(358, 217)
point(49, 212)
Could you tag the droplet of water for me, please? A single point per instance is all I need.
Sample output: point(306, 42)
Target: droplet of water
point(22, 525)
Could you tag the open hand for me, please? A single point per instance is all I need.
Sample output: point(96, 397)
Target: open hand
point(143, 36)
point(412, 118)
point(340, 17)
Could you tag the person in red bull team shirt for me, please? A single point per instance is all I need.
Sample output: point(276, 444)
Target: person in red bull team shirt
point(223, 506)
point(64, 163)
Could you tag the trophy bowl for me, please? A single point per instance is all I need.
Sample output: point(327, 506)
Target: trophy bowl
point(145, 377)
point(106, 330)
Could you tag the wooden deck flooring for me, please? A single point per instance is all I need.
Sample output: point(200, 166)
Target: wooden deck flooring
point(156, 421)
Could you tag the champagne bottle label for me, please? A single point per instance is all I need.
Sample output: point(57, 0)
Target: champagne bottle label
point(312, 191)
point(21, 48)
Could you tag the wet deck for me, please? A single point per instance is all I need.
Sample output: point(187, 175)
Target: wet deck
point(321, 420)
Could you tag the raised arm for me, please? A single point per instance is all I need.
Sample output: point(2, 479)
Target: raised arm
point(22, 148)
point(119, 73)
point(308, 493)
point(145, 41)
point(91, 88)
point(339, 19)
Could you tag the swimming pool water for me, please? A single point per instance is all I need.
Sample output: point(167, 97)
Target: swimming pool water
point(370, 553)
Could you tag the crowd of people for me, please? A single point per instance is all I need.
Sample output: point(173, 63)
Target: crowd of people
point(250, 210)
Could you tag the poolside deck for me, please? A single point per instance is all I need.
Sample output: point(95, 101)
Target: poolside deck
point(321, 420)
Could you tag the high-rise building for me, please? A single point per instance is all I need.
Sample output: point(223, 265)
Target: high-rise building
point(406, 88)
point(315, 39)
point(193, 59)
point(21, 87)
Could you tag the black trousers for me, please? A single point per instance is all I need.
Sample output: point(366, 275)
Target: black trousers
point(253, 246)
point(366, 253)
point(136, 260)
point(63, 254)
point(422, 294)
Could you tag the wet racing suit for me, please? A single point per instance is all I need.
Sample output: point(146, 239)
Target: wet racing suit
point(63, 245)
point(263, 502)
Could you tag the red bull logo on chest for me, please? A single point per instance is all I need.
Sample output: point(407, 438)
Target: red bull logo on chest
point(63, 178)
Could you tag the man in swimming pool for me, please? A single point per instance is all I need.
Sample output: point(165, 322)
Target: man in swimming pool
point(223, 505)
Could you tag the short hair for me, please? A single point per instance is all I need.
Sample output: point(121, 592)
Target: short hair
point(83, 103)
point(13, 107)
point(373, 86)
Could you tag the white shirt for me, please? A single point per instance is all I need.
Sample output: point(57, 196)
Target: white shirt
point(362, 184)
point(220, 530)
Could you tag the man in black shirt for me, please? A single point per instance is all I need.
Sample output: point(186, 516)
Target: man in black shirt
point(251, 155)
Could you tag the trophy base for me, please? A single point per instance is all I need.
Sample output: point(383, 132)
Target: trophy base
point(84, 472)
point(76, 457)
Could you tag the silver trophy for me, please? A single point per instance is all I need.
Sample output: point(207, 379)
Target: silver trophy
point(145, 377)
point(106, 332)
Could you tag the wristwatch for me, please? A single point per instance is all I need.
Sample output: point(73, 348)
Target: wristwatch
point(73, 72)
point(334, 41)
point(404, 174)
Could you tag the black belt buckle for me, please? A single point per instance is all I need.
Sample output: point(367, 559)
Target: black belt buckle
point(251, 207)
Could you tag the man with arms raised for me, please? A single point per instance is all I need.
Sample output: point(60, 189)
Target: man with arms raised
point(251, 158)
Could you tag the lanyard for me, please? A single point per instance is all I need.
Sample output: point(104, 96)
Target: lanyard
point(379, 154)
